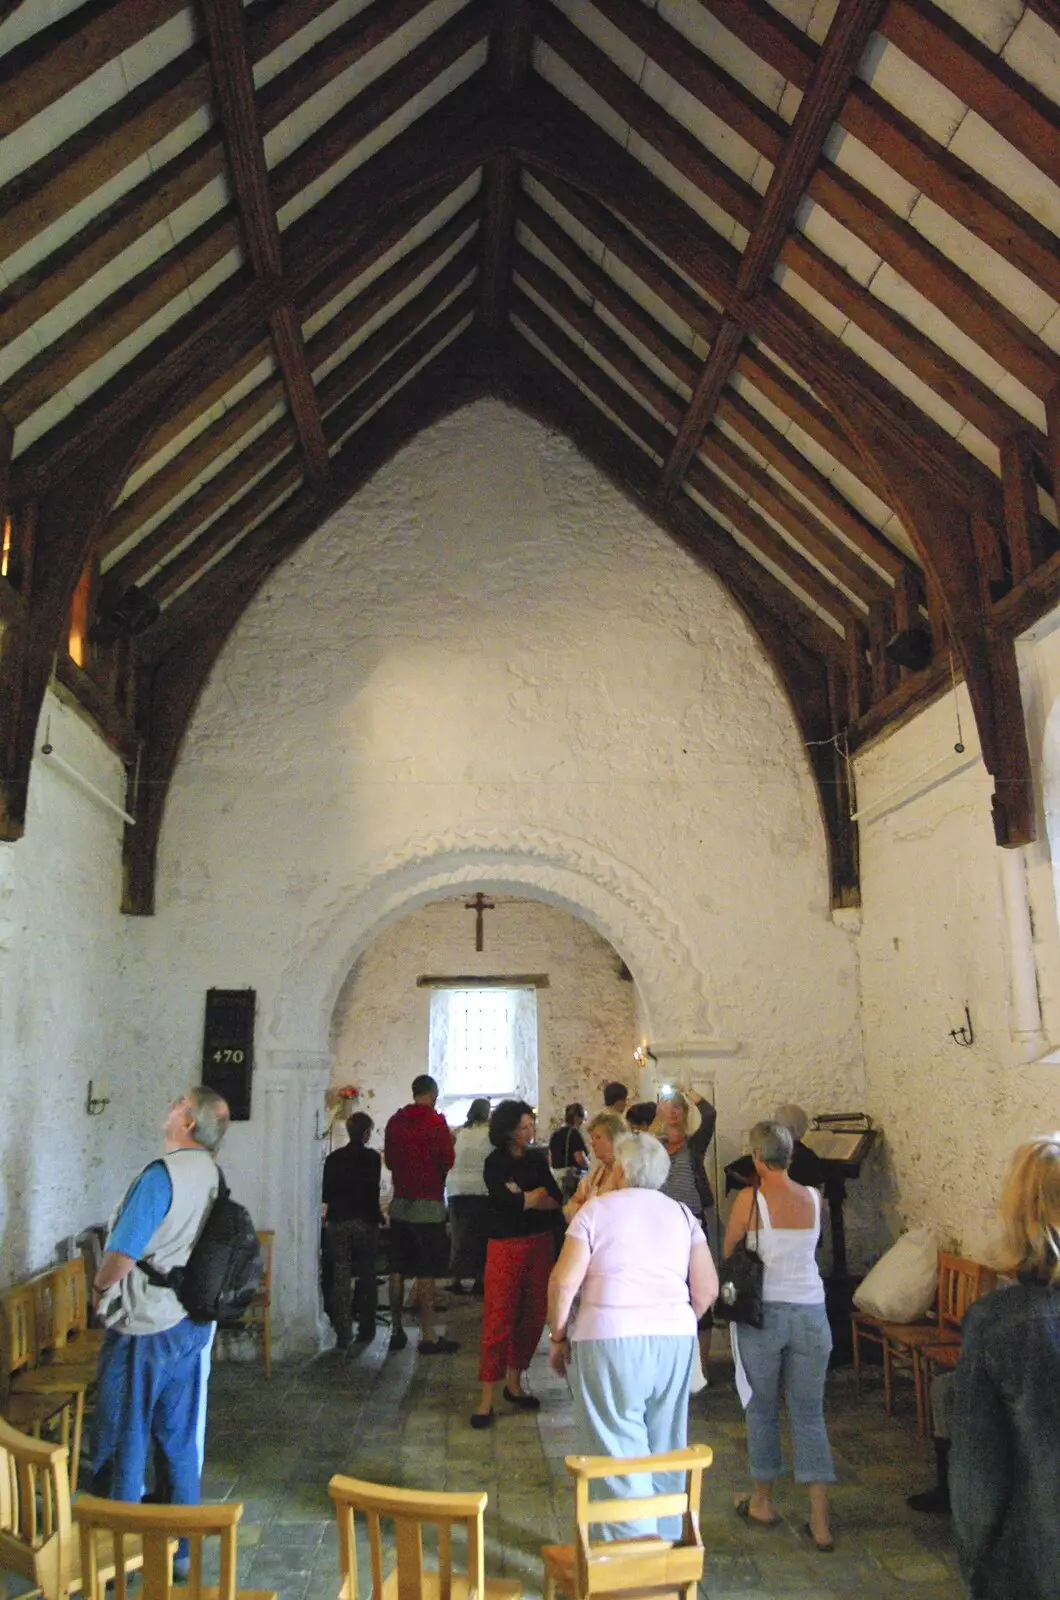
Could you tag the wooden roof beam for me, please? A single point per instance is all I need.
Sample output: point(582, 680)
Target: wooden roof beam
point(978, 77)
point(438, 150)
point(755, 430)
point(844, 46)
point(508, 65)
point(604, 291)
point(715, 374)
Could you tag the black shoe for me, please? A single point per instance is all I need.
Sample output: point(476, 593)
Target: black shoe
point(528, 1402)
point(438, 1347)
point(398, 1339)
point(482, 1419)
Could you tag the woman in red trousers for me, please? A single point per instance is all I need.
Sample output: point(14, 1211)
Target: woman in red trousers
point(520, 1224)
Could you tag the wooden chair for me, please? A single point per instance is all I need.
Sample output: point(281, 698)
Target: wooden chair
point(257, 1318)
point(18, 1347)
point(409, 1510)
point(36, 1539)
point(630, 1567)
point(961, 1281)
point(55, 1314)
point(154, 1530)
point(74, 1343)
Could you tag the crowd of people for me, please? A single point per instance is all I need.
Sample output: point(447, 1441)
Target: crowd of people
point(604, 1242)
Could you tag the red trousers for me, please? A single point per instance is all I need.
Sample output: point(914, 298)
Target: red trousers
point(515, 1303)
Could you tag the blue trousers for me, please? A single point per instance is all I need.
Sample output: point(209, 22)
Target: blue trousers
point(791, 1347)
point(152, 1389)
point(631, 1399)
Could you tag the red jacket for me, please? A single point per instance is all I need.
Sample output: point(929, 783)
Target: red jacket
point(418, 1149)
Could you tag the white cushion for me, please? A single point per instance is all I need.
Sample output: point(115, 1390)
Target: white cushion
point(903, 1284)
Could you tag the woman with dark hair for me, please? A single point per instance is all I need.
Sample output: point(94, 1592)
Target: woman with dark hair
point(351, 1211)
point(523, 1202)
point(465, 1190)
point(1005, 1454)
point(567, 1153)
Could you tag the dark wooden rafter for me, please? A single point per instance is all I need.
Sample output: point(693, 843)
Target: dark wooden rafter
point(1024, 525)
point(233, 81)
point(173, 682)
point(717, 370)
point(185, 468)
point(441, 148)
point(979, 78)
point(844, 45)
point(1048, 10)
point(508, 64)
point(973, 309)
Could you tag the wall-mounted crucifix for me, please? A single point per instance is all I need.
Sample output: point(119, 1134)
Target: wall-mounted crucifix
point(478, 906)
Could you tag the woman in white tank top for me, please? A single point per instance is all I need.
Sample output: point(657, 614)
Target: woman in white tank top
point(782, 1220)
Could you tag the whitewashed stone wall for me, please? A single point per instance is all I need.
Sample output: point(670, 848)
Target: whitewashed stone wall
point(487, 671)
point(61, 1019)
point(950, 919)
point(587, 1025)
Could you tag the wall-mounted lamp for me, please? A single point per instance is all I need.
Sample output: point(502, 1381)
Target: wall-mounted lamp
point(642, 1054)
point(95, 1107)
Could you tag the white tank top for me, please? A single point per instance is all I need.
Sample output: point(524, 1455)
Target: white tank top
point(789, 1254)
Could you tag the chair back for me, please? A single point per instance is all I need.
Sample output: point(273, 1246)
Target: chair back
point(35, 1536)
point(961, 1282)
point(18, 1329)
point(156, 1527)
point(75, 1286)
point(610, 1567)
point(408, 1510)
point(265, 1239)
point(51, 1307)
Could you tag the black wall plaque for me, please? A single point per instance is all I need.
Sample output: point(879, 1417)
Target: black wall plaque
point(228, 1047)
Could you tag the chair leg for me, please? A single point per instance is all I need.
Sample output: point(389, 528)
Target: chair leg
point(856, 1351)
point(79, 1428)
point(549, 1591)
point(919, 1386)
point(887, 1378)
point(266, 1340)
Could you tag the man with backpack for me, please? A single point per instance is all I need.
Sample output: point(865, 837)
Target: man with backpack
point(154, 1361)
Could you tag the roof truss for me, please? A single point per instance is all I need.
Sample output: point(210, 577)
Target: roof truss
point(824, 329)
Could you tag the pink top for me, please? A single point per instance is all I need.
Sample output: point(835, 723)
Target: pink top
point(640, 1243)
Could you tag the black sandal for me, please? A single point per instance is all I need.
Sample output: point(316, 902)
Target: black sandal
point(529, 1402)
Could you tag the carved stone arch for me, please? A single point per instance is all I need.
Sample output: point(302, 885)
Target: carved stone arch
point(631, 913)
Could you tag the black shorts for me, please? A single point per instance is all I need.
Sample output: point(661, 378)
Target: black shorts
point(419, 1249)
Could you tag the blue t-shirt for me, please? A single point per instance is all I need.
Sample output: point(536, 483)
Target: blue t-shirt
point(144, 1207)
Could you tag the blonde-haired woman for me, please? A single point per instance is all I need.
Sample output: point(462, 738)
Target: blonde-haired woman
point(1005, 1455)
point(603, 1176)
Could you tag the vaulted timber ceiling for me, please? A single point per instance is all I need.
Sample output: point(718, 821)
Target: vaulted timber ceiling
point(787, 271)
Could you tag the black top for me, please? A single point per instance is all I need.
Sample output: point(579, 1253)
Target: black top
point(506, 1217)
point(564, 1145)
point(806, 1168)
point(351, 1184)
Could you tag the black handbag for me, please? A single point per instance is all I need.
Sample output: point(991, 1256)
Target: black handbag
point(740, 1287)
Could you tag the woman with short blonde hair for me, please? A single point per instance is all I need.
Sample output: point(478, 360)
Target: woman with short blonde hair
point(1005, 1455)
point(603, 1176)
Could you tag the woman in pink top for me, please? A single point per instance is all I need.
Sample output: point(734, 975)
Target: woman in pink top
point(643, 1272)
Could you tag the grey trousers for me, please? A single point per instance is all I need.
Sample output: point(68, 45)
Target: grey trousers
point(631, 1399)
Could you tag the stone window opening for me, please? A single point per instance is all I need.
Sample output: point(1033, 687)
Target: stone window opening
point(482, 1042)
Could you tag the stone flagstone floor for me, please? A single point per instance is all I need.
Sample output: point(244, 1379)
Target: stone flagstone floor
point(403, 1420)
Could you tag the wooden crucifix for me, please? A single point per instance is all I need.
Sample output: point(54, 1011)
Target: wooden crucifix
point(478, 906)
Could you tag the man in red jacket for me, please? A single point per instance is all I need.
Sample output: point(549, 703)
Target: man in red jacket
point(418, 1149)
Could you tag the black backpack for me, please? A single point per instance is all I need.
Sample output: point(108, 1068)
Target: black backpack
point(222, 1274)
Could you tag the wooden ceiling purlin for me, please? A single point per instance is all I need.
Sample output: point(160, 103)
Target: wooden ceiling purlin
point(233, 87)
point(716, 372)
point(440, 149)
point(508, 64)
point(795, 642)
point(173, 681)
